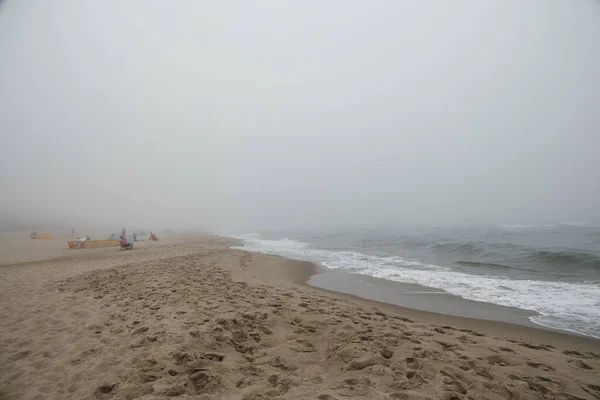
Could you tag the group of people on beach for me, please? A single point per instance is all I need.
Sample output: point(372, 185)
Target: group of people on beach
point(125, 242)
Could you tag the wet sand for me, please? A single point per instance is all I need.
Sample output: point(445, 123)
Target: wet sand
point(419, 297)
point(190, 318)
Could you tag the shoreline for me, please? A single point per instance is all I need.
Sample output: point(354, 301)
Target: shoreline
point(191, 318)
point(421, 298)
point(426, 299)
point(491, 327)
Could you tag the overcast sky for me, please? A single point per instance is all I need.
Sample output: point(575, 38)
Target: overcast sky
point(301, 114)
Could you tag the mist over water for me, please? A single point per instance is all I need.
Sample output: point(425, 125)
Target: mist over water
point(552, 270)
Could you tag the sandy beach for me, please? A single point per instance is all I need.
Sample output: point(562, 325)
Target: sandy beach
point(189, 318)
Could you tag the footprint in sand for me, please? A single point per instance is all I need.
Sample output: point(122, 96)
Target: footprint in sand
point(105, 391)
point(415, 377)
point(20, 355)
point(326, 397)
point(413, 363)
point(506, 349)
point(541, 366)
point(354, 387)
point(580, 365)
point(454, 386)
point(502, 361)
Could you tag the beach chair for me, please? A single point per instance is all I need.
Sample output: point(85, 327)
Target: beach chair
point(125, 245)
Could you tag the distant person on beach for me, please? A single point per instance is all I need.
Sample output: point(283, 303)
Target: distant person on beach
point(153, 237)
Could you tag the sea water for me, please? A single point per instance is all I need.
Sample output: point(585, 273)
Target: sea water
point(553, 270)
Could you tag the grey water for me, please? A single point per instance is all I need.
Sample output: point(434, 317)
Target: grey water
point(551, 270)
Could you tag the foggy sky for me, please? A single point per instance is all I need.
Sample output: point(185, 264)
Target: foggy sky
point(301, 114)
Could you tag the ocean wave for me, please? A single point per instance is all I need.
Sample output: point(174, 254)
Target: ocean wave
point(515, 254)
point(560, 305)
point(482, 264)
point(518, 226)
point(577, 223)
point(573, 224)
point(462, 248)
point(471, 249)
point(567, 258)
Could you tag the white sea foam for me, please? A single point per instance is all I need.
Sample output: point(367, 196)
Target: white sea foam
point(561, 305)
point(577, 223)
point(517, 226)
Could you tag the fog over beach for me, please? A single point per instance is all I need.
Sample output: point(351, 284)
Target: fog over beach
point(291, 115)
point(300, 200)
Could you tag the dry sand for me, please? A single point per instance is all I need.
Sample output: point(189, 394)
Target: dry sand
point(188, 318)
